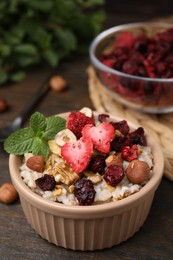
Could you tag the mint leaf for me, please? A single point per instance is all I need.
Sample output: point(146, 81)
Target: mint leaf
point(40, 147)
point(19, 142)
point(54, 125)
point(38, 123)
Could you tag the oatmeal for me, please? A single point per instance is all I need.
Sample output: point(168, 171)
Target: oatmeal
point(88, 161)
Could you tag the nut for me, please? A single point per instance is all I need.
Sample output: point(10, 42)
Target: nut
point(3, 105)
point(94, 177)
point(65, 136)
point(138, 172)
point(8, 193)
point(36, 163)
point(114, 159)
point(54, 147)
point(87, 111)
point(57, 83)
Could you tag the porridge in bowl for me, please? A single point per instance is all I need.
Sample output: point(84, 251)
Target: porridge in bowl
point(93, 160)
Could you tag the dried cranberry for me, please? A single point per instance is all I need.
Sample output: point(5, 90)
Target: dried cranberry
point(118, 143)
point(84, 192)
point(130, 153)
point(121, 126)
point(137, 137)
point(113, 174)
point(102, 117)
point(47, 182)
point(97, 163)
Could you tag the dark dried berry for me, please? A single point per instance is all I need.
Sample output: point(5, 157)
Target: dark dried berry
point(102, 117)
point(137, 137)
point(97, 163)
point(121, 126)
point(118, 143)
point(113, 174)
point(47, 182)
point(84, 192)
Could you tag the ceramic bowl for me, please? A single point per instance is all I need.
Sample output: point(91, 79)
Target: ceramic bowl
point(88, 227)
point(137, 87)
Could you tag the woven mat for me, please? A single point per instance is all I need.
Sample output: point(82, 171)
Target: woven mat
point(161, 126)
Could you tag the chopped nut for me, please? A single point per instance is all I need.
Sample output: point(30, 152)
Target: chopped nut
point(94, 177)
point(64, 173)
point(58, 190)
point(65, 136)
point(71, 188)
point(54, 147)
point(114, 159)
point(110, 188)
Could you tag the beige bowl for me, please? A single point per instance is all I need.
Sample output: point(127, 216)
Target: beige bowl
point(88, 227)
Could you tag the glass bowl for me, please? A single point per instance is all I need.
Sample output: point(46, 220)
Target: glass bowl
point(89, 227)
point(128, 59)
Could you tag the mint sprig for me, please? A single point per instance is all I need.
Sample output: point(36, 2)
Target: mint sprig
point(35, 137)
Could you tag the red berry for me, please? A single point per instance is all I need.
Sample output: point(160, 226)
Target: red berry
point(76, 121)
point(84, 192)
point(113, 174)
point(47, 182)
point(130, 153)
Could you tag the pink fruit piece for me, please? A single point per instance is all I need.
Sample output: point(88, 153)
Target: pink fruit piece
point(101, 135)
point(76, 121)
point(78, 154)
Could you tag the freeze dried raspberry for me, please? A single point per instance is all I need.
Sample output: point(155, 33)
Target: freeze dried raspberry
point(76, 121)
point(125, 39)
point(121, 126)
point(130, 153)
point(84, 192)
point(47, 182)
point(97, 163)
point(113, 174)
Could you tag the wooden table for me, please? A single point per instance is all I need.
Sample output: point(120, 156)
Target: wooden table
point(17, 239)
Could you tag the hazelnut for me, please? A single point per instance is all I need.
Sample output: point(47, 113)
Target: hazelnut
point(36, 163)
point(114, 159)
point(8, 193)
point(138, 172)
point(57, 83)
point(3, 105)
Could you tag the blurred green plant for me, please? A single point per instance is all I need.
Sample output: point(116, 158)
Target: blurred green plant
point(34, 32)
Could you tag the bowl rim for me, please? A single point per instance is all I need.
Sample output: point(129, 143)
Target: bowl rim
point(92, 211)
point(110, 31)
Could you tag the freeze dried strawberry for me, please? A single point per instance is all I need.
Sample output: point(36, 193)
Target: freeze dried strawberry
point(125, 39)
point(101, 135)
point(76, 121)
point(130, 153)
point(78, 154)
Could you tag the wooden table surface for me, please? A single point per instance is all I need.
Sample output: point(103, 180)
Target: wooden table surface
point(17, 239)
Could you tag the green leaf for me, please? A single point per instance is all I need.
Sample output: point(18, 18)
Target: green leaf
point(38, 123)
point(17, 76)
point(40, 147)
point(26, 48)
point(51, 57)
point(54, 125)
point(19, 142)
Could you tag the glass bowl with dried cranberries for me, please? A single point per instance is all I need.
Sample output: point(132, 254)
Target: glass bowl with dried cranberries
point(135, 64)
point(85, 225)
